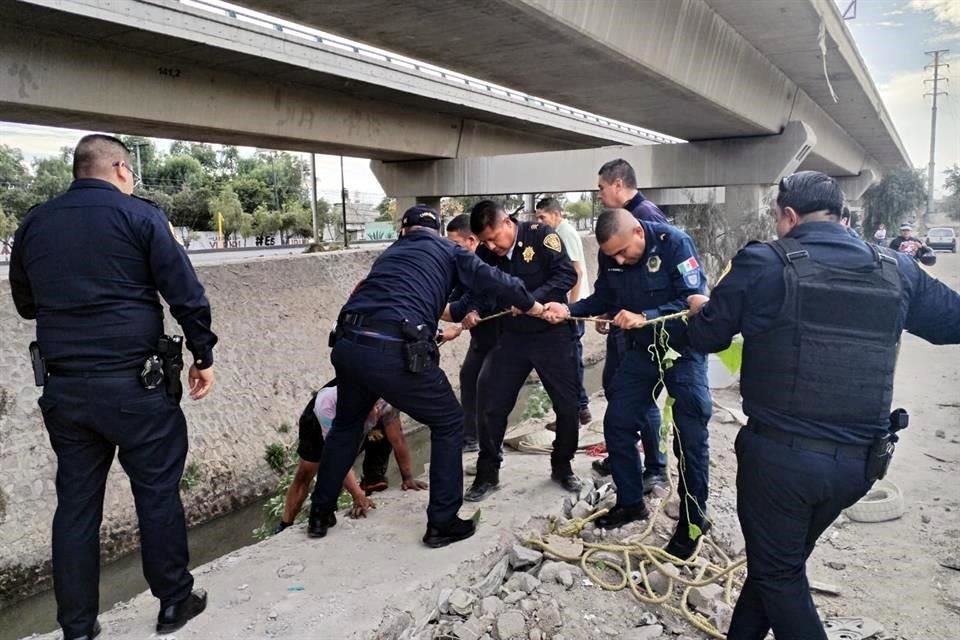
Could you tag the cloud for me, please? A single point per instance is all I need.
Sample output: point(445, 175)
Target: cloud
point(910, 111)
point(943, 10)
point(887, 23)
point(895, 12)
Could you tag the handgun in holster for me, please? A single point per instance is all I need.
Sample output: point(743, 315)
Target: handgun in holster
point(170, 350)
point(420, 350)
point(884, 444)
point(39, 366)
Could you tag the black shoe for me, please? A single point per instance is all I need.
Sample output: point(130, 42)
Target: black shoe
point(282, 526)
point(176, 615)
point(483, 485)
point(681, 545)
point(602, 467)
point(94, 632)
point(454, 531)
point(585, 416)
point(567, 479)
point(619, 516)
point(320, 521)
point(654, 479)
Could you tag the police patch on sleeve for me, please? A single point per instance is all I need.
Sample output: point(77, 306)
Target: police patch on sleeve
point(690, 270)
point(173, 232)
point(552, 242)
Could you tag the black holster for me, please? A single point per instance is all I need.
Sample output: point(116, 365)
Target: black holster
point(38, 364)
point(420, 350)
point(883, 446)
point(170, 350)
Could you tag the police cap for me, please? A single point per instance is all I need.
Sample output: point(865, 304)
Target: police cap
point(421, 215)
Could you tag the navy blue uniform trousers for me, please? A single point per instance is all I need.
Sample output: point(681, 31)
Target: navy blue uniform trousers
point(552, 354)
point(786, 498)
point(469, 375)
point(88, 420)
point(648, 424)
point(366, 371)
point(631, 393)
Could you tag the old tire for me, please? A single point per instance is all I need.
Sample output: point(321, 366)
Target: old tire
point(883, 502)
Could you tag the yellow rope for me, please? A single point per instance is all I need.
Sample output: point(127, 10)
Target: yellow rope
point(649, 556)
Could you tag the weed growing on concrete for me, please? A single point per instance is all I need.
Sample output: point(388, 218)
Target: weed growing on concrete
point(283, 428)
point(538, 404)
point(191, 477)
point(276, 456)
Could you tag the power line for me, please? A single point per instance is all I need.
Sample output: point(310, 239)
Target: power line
point(936, 92)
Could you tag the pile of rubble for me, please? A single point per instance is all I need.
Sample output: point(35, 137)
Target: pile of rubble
point(520, 593)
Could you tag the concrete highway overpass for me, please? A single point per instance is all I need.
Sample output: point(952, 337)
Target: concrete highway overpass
point(694, 69)
point(165, 68)
point(746, 83)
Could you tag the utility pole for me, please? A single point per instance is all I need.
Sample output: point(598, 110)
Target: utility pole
point(136, 147)
point(936, 80)
point(343, 204)
point(313, 198)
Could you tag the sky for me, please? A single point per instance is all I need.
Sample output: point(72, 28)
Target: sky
point(891, 35)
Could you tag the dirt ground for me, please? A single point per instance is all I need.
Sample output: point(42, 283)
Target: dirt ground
point(374, 574)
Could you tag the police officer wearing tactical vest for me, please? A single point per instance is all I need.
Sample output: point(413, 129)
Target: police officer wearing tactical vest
point(391, 319)
point(534, 253)
point(88, 267)
point(821, 314)
point(645, 271)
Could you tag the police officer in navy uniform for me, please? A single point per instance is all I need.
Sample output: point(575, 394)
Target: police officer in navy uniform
point(88, 267)
point(468, 309)
point(617, 189)
point(647, 270)
point(534, 253)
point(821, 313)
point(391, 318)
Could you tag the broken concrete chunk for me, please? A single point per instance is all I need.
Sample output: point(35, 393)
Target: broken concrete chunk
point(704, 598)
point(471, 629)
point(510, 625)
point(522, 581)
point(586, 490)
point(536, 634)
point(648, 632)
point(461, 602)
point(646, 619)
point(522, 557)
point(549, 617)
point(514, 598)
point(443, 599)
point(565, 547)
point(491, 583)
point(581, 510)
point(722, 616)
point(491, 606)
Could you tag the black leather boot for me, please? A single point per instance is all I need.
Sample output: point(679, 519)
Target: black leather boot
point(176, 615)
point(619, 516)
point(319, 522)
point(486, 482)
point(453, 531)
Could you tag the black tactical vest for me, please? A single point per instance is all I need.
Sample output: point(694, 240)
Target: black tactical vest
point(831, 352)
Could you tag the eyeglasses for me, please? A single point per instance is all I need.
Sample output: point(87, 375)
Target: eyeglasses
point(137, 180)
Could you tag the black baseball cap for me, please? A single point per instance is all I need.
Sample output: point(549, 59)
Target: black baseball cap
point(421, 215)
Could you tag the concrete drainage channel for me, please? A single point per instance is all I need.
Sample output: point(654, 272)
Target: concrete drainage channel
point(123, 579)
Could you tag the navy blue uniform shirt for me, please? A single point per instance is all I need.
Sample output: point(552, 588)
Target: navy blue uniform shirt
point(644, 210)
point(88, 265)
point(540, 261)
point(749, 297)
point(657, 285)
point(413, 278)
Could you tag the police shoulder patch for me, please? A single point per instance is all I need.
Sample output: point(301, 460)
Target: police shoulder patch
point(534, 226)
point(552, 242)
point(173, 232)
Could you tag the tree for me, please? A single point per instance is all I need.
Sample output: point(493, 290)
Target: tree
point(387, 209)
point(893, 200)
point(191, 208)
point(51, 177)
point(952, 185)
point(202, 153)
point(325, 218)
point(179, 172)
point(227, 204)
point(8, 225)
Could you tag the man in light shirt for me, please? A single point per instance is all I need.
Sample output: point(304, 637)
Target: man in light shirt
point(550, 213)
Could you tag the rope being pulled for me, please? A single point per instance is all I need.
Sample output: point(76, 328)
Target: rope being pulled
point(654, 321)
point(646, 557)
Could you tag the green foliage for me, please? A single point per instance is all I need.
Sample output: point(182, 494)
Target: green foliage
point(276, 456)
point(952, 185)
point(732, 356)
point(190, 477)
point(894, 199)
point(387, 209)
point(538, 404)
point(580, 209)
point(8, 225)
point(284, 427)
point(51, 177)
